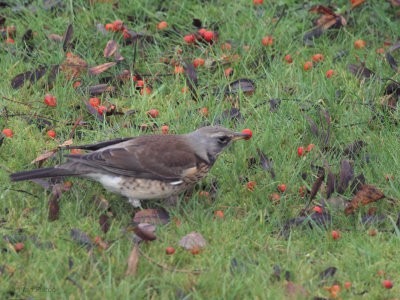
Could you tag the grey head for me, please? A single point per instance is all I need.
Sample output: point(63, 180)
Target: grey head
point(208, 142)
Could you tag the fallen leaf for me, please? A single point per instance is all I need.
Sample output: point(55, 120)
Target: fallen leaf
point(73, 66)
point(360, 71)
point(93, 111)
point(54, 207)
point(44, 156)
point(67, 36)
point(346, 175)
point(80, 237)
point(314, 128)
point(266, 163)
point(133, 261)
point(354, 149)
point(367, 194)
point(101, 68)
point(144, 233)
point(357, 183)
point(110, 48)
point(329, 272)
point(152, 216)
point(245, 85)
point(356, 3)
point(191, 240)
point(191, 80)
point(104, 223)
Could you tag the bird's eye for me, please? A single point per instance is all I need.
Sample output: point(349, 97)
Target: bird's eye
point(223, 140)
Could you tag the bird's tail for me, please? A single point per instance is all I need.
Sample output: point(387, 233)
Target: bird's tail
point(40, 173)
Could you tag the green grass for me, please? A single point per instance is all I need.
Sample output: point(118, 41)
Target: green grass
point(256, 245)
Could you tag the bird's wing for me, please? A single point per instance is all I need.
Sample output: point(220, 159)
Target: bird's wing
point(160, 157)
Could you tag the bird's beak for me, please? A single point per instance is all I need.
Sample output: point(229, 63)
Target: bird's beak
point(240, 135)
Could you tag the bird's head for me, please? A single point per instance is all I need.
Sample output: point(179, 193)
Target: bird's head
point(208, 142)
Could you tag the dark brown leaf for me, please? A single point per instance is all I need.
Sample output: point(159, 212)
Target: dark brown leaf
point(110, 48)
point(311, 35)
point(273, 104)
point(245, 85)
point(191, 80)
point(328, 127)
point(314, 128)
point(360, 71)
point(101, 68)
point(329, 272)
point(118, 56)
point(228, 115)
point(99, 89)
point(357, 183)
point(104, 223)
point(67, 36)
point(20, 79)
point(93, 111)
point(38, 73)
point(392, 62)
point(346, 175)
point(133, 261)
point(315, 188)
point(191, 240)
point(81, 238)
point(321, 219)
point(152, 216)
point(266, 163)
point(330, 184)
point(53, 73)
point(144, 234)
point(354, 149)
point(54, 207)
point(367, 194)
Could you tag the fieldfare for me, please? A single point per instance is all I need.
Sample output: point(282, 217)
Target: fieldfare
point(145, 167)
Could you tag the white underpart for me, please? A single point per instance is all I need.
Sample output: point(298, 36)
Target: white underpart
point(111, 183)
point(176, 182)
point(135, 203)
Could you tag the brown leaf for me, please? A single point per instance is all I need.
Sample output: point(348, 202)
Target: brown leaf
point(360, 71)
point(330, 184)
point(20, 79)
point(101, 68)
point(356, 3)
point(81, 238)
point(44, 156)
point(328, 127)
point(243, 84)
point(110, 48)
point(314, 128)
point(93, 111)
point(133, 261)
point(191, 80)
point(329, 272)
point(152, 216)
point(367, 194)
point(118, 56)
point(346, 174)
point(67, 36)
point(392, 62)
point(55, 37)
point(315, 188)
point(143, 233)
point(54, 207)
point(357, 183)
point(266, 163)
point(96, 90)
point(104, 223)
point(354, 149)
point(73, 66)
point(191, 240)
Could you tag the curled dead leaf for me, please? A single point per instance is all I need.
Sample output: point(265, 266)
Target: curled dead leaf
point(367, 194)
point(192, 240)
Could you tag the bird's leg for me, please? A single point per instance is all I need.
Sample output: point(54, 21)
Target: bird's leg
point(135, 203)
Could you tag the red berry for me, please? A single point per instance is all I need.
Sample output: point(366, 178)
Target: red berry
point(288, 59)
point(329, 73)
point(302, 190)
point(335, 235)
point(50, 100)
point(226, 46)
point(152, 113)
point(102, 109)
point(189, 38)
point(310, 147)
point(195, 250)
point(247, 131)
point(359, 44)
point(282, 188)
point(219, 214)
point(381, 273)
point(126, 35)
point(387, 284)
point(308, 65)
point(8, 132)
point(204, 111)
point(109, 27)
point(318, 57)
point(255, 2)
point(184, 90)
point(95, 102)
point(318, 209)
point(228, 72)
point(18, 247)
point(118, 25)
point(204, 194)
point(97, 239)
point(164, 129)
point(202, 31)
point(208, 36)
point(347, 285)
point(251, 185)
point(162, 25)
point(9, 41)
point(336, 288)
point(76, 151)
point(380, 51)
point(140, 83)
point(179, 70)
point(300, 151)
point(170, 250)
point(51, 134)
point(76, 84)
point(267, 41)
point(198, 62)
point(146, 90)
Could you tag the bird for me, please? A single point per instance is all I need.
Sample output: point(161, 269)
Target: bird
point(154, 166)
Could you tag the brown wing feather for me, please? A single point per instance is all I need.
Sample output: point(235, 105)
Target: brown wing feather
point(161, 157)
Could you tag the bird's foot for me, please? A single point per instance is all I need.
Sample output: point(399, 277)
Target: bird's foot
point(135, 203)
